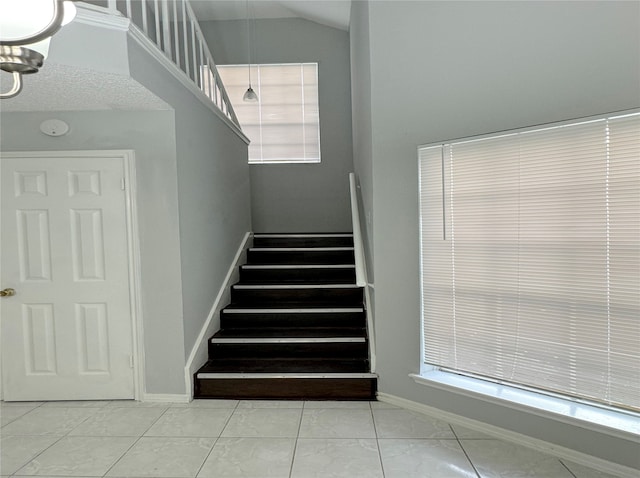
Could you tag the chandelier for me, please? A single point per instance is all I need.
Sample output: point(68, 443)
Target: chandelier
point(26, 28)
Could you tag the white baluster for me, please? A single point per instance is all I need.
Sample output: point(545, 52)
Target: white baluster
point(145, 19)
point(193, 49)
point(212, 80)
point(157, 23)
point(186, 38)
point(201, 60)
point(198, 64)
point(166, 29)
point(177, 37)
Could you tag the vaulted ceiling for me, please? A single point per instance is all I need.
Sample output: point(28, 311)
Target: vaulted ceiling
point(334, 13)
point(51, 90)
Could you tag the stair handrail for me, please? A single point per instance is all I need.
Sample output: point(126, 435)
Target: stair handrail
point(361, 268)
point(361, 279)
point(173, 27)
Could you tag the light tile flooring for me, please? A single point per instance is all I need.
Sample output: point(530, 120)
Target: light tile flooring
point(256, 439)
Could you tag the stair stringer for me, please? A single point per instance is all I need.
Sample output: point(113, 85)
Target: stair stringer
point(199, 353)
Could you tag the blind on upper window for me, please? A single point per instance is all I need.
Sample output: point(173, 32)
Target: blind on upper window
point(530, 258)
point(284, 125)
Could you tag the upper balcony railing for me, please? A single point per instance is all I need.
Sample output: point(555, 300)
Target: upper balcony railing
point(173, 27)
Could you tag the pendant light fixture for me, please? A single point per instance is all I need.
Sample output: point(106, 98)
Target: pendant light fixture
point(26, 29)
point(249, 95)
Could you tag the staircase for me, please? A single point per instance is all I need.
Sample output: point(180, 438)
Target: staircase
point(296, 325)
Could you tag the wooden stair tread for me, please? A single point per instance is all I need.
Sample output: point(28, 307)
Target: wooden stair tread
point(286, 365)
point(271, 332)
point(303, 240)
point(310, 256)
point(248, 308)
point(295, 327)
point(288, 389)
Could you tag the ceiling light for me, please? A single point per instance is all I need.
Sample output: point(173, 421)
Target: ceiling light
point(249, 95)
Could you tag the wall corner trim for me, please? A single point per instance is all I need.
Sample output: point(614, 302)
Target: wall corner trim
point(199, 350)
point(511, 436)
point(166, 398)
point(97, 16)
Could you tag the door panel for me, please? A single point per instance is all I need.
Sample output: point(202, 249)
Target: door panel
point(67, 333)
point(33, 245)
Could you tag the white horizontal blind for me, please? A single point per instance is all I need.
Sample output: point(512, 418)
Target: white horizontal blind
point(284, 125)
point(531, 258)
point(624, 257)
point(436, 259)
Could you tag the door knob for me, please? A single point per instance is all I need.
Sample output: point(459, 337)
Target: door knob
point(7, 292)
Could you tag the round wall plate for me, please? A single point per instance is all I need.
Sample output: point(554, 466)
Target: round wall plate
point(54, 127)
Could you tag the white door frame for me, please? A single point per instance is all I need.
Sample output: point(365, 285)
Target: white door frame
point(133, 247)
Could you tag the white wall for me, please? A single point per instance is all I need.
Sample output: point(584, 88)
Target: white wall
point(193, 189)
point(104, 52)
point(299, 197)
point(214, 193)
point(361, 123)
point(152, 136)
point(443, 70)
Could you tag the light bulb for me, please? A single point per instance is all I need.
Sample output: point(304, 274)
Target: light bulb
point(22, 19)
point(70, 11)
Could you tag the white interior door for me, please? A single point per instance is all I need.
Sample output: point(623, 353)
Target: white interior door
point(67, 332)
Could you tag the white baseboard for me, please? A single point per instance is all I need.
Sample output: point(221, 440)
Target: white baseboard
point(166, 398)
point(199, 353)
point(511, 436)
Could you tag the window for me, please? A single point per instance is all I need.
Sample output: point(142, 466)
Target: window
point(284, 125)
point(530, 258)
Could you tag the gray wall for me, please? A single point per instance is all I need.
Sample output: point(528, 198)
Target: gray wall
point(443, 70)
point(361, 123)
point(152, 136)
point(214, 192)
point(302, 197)
point(193, 194)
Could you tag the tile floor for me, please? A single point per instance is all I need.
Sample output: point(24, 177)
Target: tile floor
point(256, 439)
